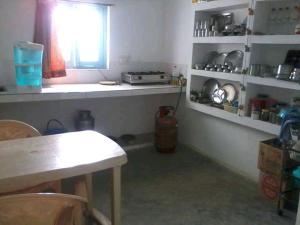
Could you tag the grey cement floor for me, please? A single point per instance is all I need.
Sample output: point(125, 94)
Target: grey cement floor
point(185, 189)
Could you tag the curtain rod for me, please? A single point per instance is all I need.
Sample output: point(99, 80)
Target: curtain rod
point(87, 2)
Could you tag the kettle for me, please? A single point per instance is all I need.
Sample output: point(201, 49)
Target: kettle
point(85, 121)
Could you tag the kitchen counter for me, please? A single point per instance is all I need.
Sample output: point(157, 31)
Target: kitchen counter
point(83, 91)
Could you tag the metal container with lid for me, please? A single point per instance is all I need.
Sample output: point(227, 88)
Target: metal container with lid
point(85, 121)
point(295, 75)
point(284, 72)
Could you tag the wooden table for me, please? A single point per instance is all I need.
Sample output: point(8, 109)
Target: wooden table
point(31, 161)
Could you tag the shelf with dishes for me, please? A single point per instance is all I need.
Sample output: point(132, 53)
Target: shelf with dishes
point(221, 40)
point(219, 94)
point(219, 75)
point(263, 36)
point(276, 22)
point(225, 64)
point(278, 67)
point(261, 125)
point(234, 118)
point(221, 5)
point(274, 39)
point(272, 1)
point(221, 26)
point(272, 82)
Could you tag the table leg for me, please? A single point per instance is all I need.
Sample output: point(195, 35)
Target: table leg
point(116, 196)
point(89, 190)
point(84, 188)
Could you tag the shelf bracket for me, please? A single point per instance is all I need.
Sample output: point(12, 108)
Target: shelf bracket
point(250, 12)
point(243, 87)
point(247, 48)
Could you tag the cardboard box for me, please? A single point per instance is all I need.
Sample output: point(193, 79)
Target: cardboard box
point(270, 163)
point(270, 158)
point(269, 186)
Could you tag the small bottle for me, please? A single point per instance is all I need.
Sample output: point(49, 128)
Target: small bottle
point(296, 18)
point(297, 29)
point(288, 29)
point(280, 21)
point(265, 114)
point(197, 27)
point(175, 71)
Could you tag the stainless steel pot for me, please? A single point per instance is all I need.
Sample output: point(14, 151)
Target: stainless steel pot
point(85, 121)
point(284, 72)
point(254, 70)
point(261, 70)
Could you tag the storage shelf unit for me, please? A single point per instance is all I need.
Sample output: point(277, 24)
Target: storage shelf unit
point(220, 40)
point(219, 75)
point(221, 5)
point(275, 0)
point(271, 82)
point(274, 39)
point(275, 45)
point(244, 121)
point(85, 91)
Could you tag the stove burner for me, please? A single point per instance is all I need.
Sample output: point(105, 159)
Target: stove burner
point(146, 73)
point(150, 77)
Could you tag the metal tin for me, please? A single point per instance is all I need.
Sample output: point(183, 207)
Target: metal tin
point(284, 72)
point(85, 121)
point(295, 75)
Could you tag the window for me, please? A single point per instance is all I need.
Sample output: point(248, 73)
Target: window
point(83, 34)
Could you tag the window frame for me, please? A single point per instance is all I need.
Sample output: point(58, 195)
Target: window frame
point(103, 62)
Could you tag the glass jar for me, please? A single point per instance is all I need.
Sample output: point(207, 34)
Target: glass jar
point(265, 114)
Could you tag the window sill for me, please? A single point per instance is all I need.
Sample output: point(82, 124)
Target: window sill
point(85, 91)
point(86, 69)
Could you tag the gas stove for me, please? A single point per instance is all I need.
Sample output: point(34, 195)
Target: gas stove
point(150, 77)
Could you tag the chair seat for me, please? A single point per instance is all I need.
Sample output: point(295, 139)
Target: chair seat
point(43, 209)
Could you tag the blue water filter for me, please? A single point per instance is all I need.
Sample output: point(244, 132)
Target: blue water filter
point(28, 59)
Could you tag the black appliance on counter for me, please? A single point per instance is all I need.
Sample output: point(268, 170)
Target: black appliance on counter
point(146, 77)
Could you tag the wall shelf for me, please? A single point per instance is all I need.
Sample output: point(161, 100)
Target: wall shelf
point(221, 40)
point(272, 82)
point(86, 91)
point(275, 0)
point(274, 39)
point(219, 75)
point(263, 49)
point(221, 5)
point(141, 141)
point(244, 121)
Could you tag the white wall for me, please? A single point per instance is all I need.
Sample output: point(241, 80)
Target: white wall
point(16, 23)
point(153, 34)
point(232, 145)
point(136, 34)
point(114, 116)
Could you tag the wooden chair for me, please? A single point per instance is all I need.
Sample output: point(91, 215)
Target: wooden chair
point(43, 209)
point(13, 129)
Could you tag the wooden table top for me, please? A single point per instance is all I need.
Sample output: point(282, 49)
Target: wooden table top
point(32, 161)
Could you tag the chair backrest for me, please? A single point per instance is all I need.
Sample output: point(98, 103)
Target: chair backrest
point(43, 209)
point(13, 129)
